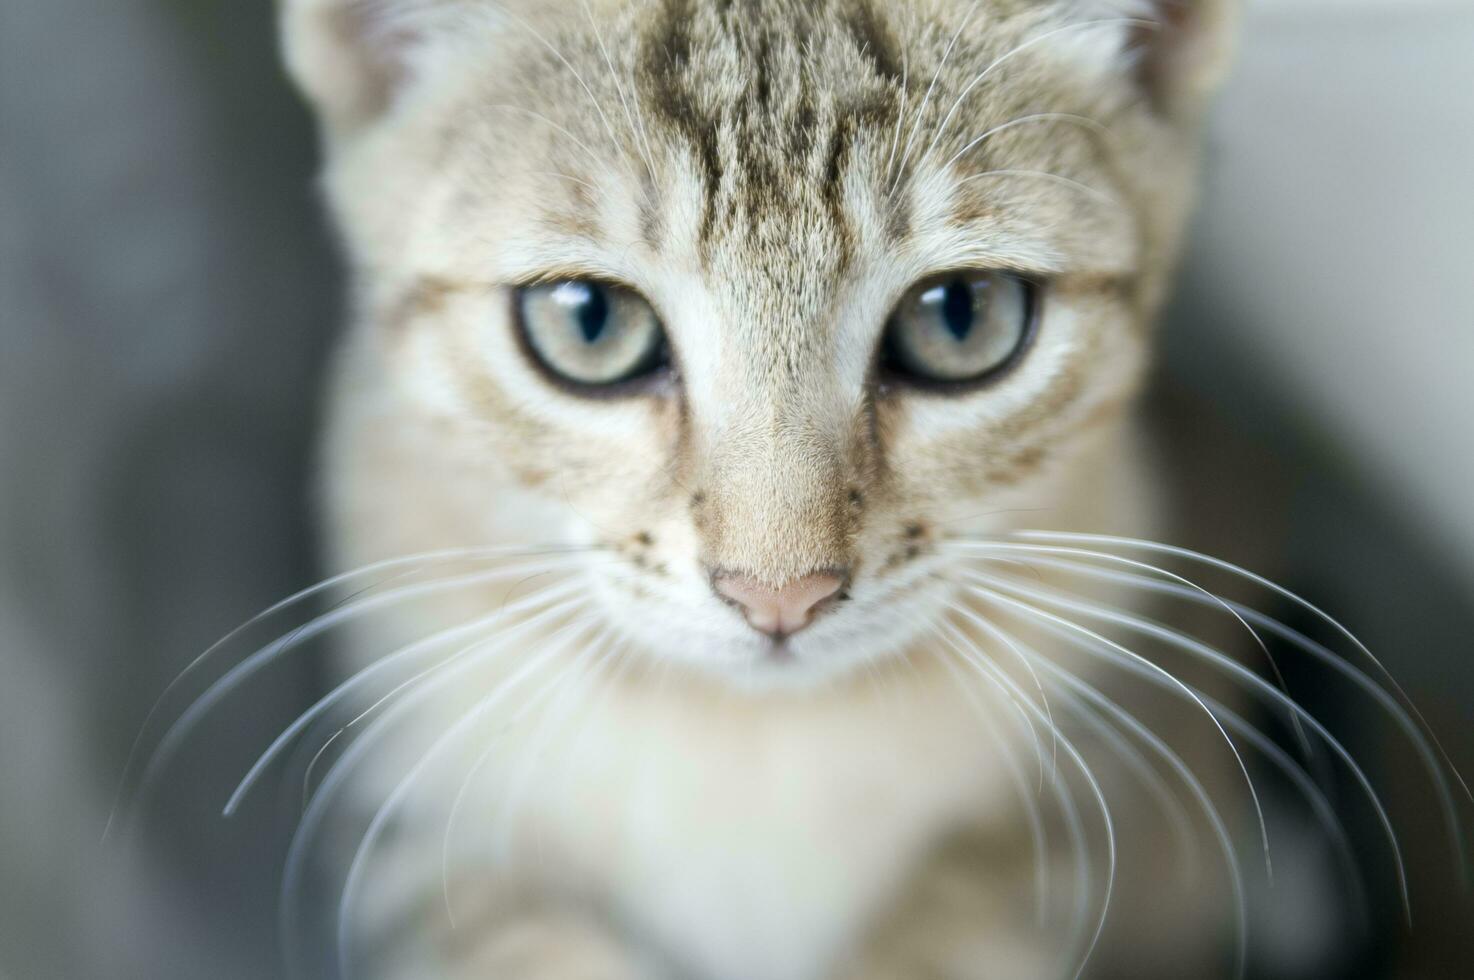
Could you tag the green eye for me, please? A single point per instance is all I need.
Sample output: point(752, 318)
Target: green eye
point(590, 333)
point(962, 327)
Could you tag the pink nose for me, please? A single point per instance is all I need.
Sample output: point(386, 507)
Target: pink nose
point(783, 611)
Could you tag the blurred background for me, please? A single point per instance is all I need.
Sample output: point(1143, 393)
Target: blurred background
point(168, 294)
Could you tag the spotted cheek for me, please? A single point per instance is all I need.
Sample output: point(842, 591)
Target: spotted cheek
point(654, 576)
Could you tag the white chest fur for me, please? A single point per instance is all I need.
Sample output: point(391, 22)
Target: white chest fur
point(753, 837)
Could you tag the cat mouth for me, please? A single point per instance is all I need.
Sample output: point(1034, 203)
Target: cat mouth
point(778, 651)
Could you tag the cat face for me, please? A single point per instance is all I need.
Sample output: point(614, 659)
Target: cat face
point(763, 299)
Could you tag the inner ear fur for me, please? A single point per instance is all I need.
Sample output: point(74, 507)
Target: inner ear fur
point(353, 58)
point(1182, 49)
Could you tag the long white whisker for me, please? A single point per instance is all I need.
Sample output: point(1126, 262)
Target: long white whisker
point(410, 652)
point(1023, 659)
point(1188, 778)
point(1278, 589)
point(1226, 663)
point(1321, 653)
point(1024, 719)
point(1038, 837)
point(532, 752)
point(317, 809)
point(1136, 763)
point(619, 88)
point(1026, 45)
point(568, 177)
point(620, 655)
point(404, 564)
point(1094, 192)
point(559, 683)
point(600, 161)
point(177, 732)
point(1064, 117)
point(1296, 773)
point(960, 646)
point(598, 107)
point(1185, 690)
point(926, 100)
point(1184, 581)
point(376, 826)
point(900, 115)
point(982, 665)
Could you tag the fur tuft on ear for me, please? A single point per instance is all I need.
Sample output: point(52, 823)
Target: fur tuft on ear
point(1185, 51)
point(1178, 50)
point(352, 58)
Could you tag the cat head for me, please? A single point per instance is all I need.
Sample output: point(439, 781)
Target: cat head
point(761, 297)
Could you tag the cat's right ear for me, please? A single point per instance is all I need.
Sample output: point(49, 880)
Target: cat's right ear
point(354, 58)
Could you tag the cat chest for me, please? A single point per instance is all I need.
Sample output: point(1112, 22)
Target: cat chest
point(760, 846)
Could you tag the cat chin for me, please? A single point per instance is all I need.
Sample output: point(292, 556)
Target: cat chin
point(759, 666)
point(768, 677)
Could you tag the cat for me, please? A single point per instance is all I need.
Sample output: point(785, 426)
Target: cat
point(719, 347)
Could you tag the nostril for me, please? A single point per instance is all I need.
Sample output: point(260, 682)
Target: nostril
point(783, 610)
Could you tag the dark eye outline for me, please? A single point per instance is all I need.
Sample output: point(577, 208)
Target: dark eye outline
point(650, 376)
point(892, 373)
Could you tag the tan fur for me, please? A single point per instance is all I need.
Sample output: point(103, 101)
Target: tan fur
point(772, 176)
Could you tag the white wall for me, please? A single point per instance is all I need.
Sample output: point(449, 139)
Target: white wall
point(1337, 234)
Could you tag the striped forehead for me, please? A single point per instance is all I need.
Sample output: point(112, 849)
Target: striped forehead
point(768, 100)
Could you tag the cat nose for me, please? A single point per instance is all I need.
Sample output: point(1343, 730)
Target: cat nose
point(782, 611)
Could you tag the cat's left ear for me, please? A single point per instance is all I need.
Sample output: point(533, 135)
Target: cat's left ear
point(354, 58)
point(1177, 50)
point(1186, 49)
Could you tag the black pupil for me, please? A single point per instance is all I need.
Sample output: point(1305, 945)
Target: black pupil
point(957, 308)
point(593, 313)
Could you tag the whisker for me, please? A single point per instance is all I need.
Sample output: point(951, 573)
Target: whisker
point(1050, 117)
point(558, 683)
point(593, 99)
point(1281, 591)
point(1038, 837)
point(960, 648)
point(622, 661)
point(533, 751)
point(414, 563)
point(904, 96)
point(1185, 774)
point(600, 161)
point(1035, 612)
point(568, 177)
point(358, 865)
point(1019, 49)
point(641, 129)
point(347, 687)
point(1212, 656)
point(618, 87)
point(315, 815)
point(878, 689)
point(173, 737)
point(1038, 613)
point(1315, 797)
point(987, 669)
point(1028, 665)
point(1024, 719)
point(1182, 580)
point(926, 100)
point(1094, 192)
point(1136, 763)
point(1321, 653)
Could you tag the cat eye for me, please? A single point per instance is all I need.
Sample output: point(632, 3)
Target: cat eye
point(963, 327)
point(589, 333)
